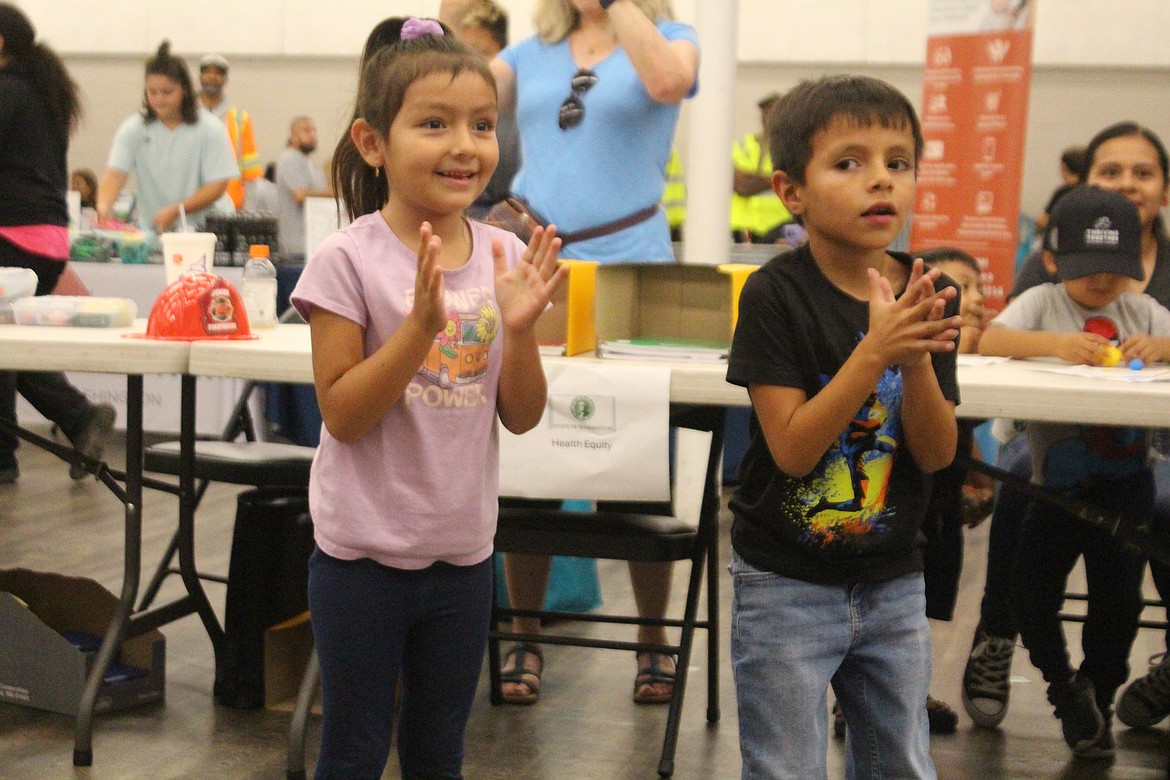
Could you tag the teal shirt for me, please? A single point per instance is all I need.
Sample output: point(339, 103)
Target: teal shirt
point(170, 165)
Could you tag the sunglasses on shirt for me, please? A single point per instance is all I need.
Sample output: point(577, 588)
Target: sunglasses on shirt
point(573, 110)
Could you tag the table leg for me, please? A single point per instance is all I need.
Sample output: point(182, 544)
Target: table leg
point(186, 535)
point(83, 726)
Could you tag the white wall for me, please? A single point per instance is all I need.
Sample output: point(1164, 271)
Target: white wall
point(1069, 32)
point(1097, 61)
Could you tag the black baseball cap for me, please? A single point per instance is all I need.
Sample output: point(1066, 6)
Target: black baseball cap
point(1095, 231)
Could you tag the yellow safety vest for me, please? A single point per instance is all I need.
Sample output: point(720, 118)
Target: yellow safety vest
point(759, 213)
point(674, 195)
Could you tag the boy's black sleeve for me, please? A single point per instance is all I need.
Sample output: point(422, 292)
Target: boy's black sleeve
point(945, 363)
point(762, 347)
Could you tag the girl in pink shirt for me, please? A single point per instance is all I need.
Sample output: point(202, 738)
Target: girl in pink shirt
point(422, 328)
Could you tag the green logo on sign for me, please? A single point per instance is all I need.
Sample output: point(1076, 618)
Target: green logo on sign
point(582, 407)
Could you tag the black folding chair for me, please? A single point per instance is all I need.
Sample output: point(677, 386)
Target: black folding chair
point(646, 533)
point(236, 458)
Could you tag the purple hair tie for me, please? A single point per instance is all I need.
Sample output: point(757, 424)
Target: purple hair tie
point(416, 28)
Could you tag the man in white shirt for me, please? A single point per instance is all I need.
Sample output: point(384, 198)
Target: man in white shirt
point(296, 179)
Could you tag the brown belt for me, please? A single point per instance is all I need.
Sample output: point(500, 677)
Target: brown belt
point(591, 232)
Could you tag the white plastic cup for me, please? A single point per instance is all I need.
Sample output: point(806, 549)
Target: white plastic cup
point(187, 253)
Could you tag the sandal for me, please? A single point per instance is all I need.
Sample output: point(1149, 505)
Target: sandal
point(516, 659)
point(653, 674)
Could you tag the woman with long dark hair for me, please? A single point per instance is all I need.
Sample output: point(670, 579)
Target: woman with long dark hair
point(181, 153)
point(39, 109)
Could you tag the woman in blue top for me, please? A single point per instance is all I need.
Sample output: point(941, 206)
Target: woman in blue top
point(596, 94)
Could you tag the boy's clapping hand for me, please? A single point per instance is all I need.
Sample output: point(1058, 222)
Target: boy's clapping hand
point(907, 329)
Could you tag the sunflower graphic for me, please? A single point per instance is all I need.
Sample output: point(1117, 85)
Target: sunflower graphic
point(488, 325)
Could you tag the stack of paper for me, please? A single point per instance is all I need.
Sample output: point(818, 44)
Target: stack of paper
point(663, 349)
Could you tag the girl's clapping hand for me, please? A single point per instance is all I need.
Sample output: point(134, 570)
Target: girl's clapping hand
point(429, 305)
point(524, 291)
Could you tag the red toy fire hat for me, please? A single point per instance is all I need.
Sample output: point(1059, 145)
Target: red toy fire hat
point(197, 307)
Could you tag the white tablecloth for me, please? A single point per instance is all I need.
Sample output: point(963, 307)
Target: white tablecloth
point(142, 284)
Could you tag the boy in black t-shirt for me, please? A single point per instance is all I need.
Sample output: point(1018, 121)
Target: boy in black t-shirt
point(853, 393)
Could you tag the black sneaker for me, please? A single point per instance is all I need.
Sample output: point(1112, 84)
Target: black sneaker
point(838, 721)
point(1103, 747)
point(1147, 699)
point(943, 720)
point(9, 474)
point(91, 439)
point(987, 679)
point(1076, 706)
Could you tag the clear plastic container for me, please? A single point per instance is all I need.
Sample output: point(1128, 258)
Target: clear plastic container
point(14, 283)
point(259, 287)
point(77, 311)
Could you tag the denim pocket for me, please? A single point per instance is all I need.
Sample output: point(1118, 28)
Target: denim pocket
point(743, 572)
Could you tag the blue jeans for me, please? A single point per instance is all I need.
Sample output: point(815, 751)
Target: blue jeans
point(791, 639)
point(371, 622)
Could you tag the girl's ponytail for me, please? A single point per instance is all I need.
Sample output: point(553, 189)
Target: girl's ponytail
point(361, 188)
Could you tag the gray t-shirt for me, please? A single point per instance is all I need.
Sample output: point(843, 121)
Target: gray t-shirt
point(294, 171)
point(1063, 454)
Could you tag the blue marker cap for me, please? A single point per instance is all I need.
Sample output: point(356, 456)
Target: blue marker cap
point(1137, 364)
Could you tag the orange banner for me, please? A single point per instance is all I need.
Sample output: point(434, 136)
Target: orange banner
point(974, 113)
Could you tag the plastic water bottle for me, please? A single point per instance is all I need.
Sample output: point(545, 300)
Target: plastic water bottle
point(259, 291)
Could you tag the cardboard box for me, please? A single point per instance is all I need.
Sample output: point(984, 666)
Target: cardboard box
point(287, 647)
point(570, 320)
point(40, 668)
point(669, 302)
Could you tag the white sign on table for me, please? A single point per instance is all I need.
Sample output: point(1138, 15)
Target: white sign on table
point(323, 216)
point(604, 436)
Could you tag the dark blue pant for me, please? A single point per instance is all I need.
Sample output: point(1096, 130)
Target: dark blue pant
point(371, 622)
point(995, 612)
point(48, 391)
point(995, 615)
point(1050, 543)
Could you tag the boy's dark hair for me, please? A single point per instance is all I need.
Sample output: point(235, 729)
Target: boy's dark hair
point(57, 88)
point(1073, 159)
point(811, 106)
point(389, 66)
point(943, 254)
point(163, 63)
